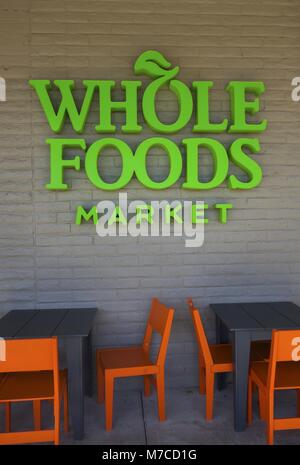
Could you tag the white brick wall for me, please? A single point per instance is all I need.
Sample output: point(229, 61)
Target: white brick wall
point(48, 261)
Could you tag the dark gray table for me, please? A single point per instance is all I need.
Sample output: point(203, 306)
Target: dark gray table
point(241, 323)
point(74, 326)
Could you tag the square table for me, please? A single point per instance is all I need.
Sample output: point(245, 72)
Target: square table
point(74, 326)
point(243, 322)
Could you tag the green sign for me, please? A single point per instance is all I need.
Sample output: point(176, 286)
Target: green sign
point(193, 107)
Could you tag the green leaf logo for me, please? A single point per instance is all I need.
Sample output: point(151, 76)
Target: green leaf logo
point(153, 64)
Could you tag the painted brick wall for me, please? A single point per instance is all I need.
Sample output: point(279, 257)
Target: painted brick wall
point(48, 261)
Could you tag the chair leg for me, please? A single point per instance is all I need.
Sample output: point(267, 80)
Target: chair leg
point(262, 405)
point(109, 398)
point(37, 414)
point(210, 382)
point(56, 422)
point(298, 402)
point(8, 417)
point(202, 380)
point(250, 394)
point(66, 409)
point(201, 377)
point(147, 386)
point(160, 387)
point(100, 381)
point(270, 418)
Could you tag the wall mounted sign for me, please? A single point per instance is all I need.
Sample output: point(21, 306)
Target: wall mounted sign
point(193, 108)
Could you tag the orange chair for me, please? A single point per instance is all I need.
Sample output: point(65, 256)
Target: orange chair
point(280, 373)
point(136, 361)
point(217, 358)
point(7, 407)
point(30, 373)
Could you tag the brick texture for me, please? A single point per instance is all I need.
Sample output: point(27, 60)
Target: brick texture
point(48, 261)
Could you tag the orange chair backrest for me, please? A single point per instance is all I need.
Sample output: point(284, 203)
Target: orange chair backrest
point(30, 355)
point(285, 347)
point(160, 320)
point(200, 333)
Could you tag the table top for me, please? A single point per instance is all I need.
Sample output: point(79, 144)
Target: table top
point(46, 323)
point(257, 316)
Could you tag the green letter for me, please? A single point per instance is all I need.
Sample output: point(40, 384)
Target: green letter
point(220, 158)
point(67, 104)
point(141, 162)
point(141, 214)
point(117, 216)
point(155, 65)
point(202, 110)
point(198, 213)
point(240, 106)
point(86, 215)
point(129, 106)
point(58, 163)
point(185, 106)
point(245, 163)
point(171, 212)
point(223, 207)
point(91, 163)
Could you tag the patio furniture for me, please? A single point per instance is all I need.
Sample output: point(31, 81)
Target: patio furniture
point(217, 358)
point(31, 373)
point(135, 361)
point(73, 326)
point(280, 373)
point(243, 323)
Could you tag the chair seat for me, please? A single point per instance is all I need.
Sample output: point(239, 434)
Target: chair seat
point(222, 353)
point(119, 358)
point(287, 374)
point(30, 385)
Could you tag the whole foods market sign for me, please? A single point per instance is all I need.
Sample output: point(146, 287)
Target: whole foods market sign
point(193, 107)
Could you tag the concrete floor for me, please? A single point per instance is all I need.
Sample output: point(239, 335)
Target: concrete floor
point(135, 420)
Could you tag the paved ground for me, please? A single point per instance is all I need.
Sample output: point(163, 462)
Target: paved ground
point(135, 420)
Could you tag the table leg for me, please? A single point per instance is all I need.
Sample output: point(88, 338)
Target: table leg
point(88, 366)
point(241, 350)
point(221, 338)
point(74, 347)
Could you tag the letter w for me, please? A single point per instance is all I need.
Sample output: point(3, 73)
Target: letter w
point(67, 104)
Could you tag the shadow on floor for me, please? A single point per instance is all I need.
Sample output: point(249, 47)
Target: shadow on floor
point(136, 422)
